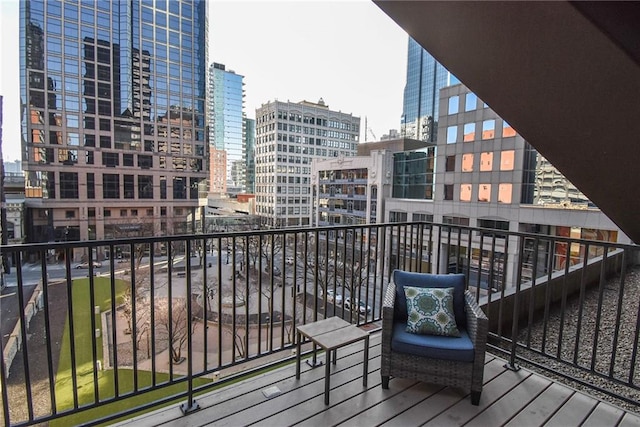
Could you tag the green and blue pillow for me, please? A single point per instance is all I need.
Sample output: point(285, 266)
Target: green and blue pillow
point(430, 311)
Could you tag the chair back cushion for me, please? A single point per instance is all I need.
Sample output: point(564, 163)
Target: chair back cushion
point(426, 280)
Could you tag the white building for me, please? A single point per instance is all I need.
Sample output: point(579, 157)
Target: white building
point(288, 137)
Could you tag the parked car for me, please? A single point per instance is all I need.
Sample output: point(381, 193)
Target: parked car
point(362, 307)
point(85, 265)
point(333, 297)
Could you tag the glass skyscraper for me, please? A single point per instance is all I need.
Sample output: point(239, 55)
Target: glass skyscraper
point(226, 130)
point(425, 78)
point(113, 120)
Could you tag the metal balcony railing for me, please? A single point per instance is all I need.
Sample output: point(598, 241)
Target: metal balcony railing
point(105, 329)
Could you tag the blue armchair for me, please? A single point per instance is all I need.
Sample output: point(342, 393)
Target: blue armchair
point(456, 361)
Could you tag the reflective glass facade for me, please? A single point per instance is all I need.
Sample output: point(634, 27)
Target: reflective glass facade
point(425, 78)
point(226, 125)
point(117, 85)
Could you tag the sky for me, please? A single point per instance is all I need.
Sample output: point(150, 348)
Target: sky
point(349, 53)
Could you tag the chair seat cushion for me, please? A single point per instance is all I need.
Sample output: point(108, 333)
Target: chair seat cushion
point(432, 346)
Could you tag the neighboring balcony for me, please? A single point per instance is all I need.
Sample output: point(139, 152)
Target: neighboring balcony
point(208, 321)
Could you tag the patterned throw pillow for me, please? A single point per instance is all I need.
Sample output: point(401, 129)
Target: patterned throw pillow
point(430, 311)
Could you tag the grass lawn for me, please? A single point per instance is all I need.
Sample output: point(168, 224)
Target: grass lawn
point(82, 312)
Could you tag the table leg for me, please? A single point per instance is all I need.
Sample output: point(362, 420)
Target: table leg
point(298, 350)
point(365, 374)
point(327, 374)
point(335, 356)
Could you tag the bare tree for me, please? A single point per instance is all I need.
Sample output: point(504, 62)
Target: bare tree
point(239, 335)
point(173, 319)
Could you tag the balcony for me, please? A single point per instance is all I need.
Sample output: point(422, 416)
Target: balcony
point(202, 324)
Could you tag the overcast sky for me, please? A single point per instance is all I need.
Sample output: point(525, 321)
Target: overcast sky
point(349, 53)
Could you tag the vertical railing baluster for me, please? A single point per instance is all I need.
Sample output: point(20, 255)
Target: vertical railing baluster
point(24, 346)
point(603, 278)
point(169, 305)
point(114, 329)
point(47, 331)
point(533, 291)
point(581, 297)
point(516, 310)
point(620, 305)
point(190, 405)
point(565, 284)
point(94, 339)
point(547, 299)
point(151, 332)
point(221, 318)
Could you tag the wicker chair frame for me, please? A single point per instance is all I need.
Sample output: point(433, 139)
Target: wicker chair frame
point(452, 373)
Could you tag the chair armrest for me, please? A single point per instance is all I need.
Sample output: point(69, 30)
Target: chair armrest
point(389, 301)
point(388, 314)
point(477, 321)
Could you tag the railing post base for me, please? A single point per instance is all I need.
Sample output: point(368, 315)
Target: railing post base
point(512, 366)
point(189, 407)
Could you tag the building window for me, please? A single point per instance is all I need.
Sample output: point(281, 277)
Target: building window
point(470, 102)
point(504, 193)
point(454, 106)
point(145, 187)
point(422, 217)
point(484, 193)
point(465, 192)
point(150, 212)
point(494, 224)
point(507, 160)
point(448, 192)
point(127, 159)
point(507, 130)
point(68, 185)
point(110, 186)
point(123, 212)
point(145, 162)
point(107, 213)
point(129, 188)
point(91, 186)
point(70, 214)
point(397, 216)
point(110, 159)
point(486, 161)
point(469, 132)
point(451, 164)
point(452, 134)
point(467, 162)
point(455, 220)
point(488, 129)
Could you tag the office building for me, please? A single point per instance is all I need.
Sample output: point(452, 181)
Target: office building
point(250, 154)
point(488, 176)
point(289, 135)
point(425, 78)
point(226, 131)
point(114, 116)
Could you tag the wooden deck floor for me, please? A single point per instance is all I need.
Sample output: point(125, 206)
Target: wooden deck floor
point(509, 398)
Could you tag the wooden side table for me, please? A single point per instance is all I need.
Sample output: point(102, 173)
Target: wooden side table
point(331, 334)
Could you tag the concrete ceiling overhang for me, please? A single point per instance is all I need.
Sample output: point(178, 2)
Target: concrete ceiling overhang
point(566, 75)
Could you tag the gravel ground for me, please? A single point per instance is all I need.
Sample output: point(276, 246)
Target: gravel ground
point(596, 339)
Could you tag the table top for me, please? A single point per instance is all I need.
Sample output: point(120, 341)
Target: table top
point(332, 333)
